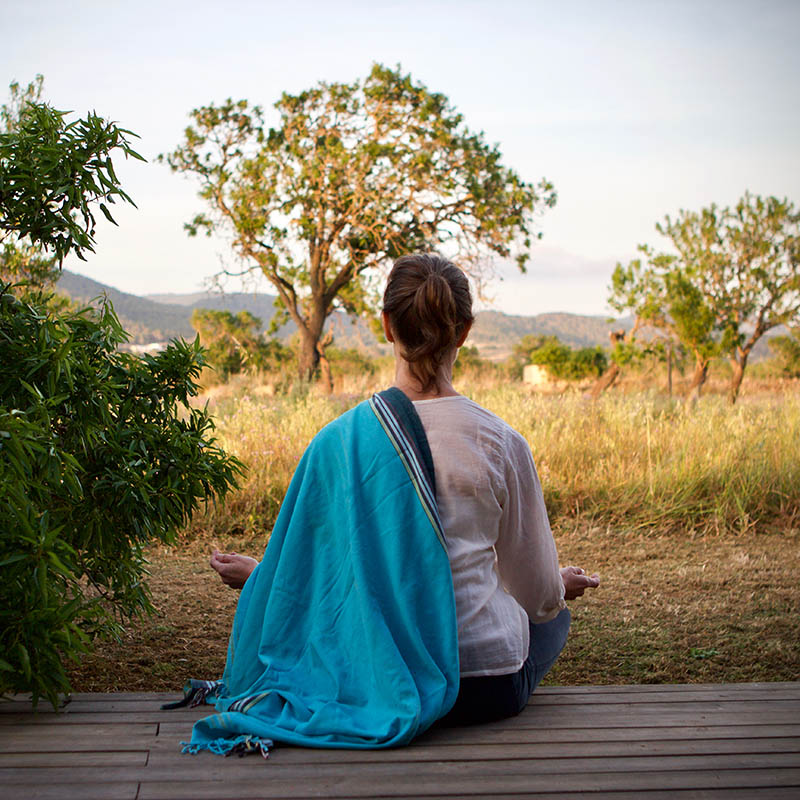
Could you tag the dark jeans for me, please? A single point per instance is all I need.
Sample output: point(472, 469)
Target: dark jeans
point(494, 697)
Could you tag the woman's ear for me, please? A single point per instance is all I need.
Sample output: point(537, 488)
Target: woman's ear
point(387, 328)
point(463, 337)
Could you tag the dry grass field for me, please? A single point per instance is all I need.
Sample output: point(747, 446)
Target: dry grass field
point(672, 608)
point(690, 516)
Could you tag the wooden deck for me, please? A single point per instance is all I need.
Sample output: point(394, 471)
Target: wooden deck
point(731, 741)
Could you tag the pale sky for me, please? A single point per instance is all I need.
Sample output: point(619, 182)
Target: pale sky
point(633, 109)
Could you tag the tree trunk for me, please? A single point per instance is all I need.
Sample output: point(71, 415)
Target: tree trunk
point(608, 378)
point(307, 356)
point(605, 381)
point(698, 379)
point(325, 378)
point(312, 340)
point(669, 371)
point(738, 365)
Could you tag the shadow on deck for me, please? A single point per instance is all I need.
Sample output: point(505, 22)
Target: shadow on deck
point(660, 741)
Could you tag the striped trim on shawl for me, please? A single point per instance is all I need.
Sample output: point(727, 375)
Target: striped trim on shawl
point(399, 419)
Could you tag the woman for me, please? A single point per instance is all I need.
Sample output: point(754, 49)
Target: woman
point(509, 593)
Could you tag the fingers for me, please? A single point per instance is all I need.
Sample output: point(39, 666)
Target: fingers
point(571, 570)
point(576, 582)
point(221, 563)
point(580, 577)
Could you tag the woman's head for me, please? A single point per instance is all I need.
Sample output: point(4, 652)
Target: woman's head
point(429, 308)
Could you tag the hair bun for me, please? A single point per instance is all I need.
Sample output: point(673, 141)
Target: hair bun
point(428, 302)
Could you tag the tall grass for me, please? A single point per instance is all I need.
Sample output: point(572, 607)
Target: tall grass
point(628, 461)
point(640, 461)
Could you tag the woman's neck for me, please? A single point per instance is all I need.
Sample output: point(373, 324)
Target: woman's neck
point(405, 381)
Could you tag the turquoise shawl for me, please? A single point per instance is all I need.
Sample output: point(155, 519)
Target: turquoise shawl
point(345, 634)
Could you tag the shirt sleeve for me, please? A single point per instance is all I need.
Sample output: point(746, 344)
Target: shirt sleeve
point(527, 561)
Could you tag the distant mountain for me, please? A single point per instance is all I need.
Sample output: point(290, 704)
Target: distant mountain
point(144, 320)
point(160, 317)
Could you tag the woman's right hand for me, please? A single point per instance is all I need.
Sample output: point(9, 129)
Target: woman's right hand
point(576, 582)
point(233, 569)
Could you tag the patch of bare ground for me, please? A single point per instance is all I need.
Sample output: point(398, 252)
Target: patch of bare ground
point(683, 609)
point(674, 608)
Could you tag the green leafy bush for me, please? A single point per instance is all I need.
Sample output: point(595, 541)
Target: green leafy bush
point(564, 362)
point(100, 455)
point(54, 172)
point(786, 354)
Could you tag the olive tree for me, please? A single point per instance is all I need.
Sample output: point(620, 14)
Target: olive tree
point(352, 176)
point(745, 262)
point(732, 275)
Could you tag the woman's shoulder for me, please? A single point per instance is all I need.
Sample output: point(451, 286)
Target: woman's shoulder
point(461, 412)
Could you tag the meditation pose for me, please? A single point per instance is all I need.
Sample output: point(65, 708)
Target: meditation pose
point(411, 576)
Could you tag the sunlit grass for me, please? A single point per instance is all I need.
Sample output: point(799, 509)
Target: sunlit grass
point(640, 461)
point(634, 461)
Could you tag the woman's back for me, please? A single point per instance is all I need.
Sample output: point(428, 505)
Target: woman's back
point(490, 502)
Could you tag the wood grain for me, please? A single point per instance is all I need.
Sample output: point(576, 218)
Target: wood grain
point(614, 742)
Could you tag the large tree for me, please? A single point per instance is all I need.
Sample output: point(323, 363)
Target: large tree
point(745, 261)
point(668, 307)
point(353, 175)
point(732, 275)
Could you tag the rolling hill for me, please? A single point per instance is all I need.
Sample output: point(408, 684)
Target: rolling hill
point(160, 317)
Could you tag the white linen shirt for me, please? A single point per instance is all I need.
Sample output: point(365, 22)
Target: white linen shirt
point(502, 554)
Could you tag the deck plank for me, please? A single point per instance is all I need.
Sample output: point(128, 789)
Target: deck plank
point(683, 742)
point(634, 701)
point(541, 705)
point(623, 715)
point(219, 769)
point(472, 786)
point(166, 752)
point(70, 758)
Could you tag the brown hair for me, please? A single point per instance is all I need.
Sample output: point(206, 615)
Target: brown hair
point(428, 302)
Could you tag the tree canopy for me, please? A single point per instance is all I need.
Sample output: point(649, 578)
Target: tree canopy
point(666, 303)
point(745, 261)
point(53, 173)
point(352, 176)
point(732, 275)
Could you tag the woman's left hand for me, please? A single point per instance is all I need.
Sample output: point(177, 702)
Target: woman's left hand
point(233, 569)
point(576, 582)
